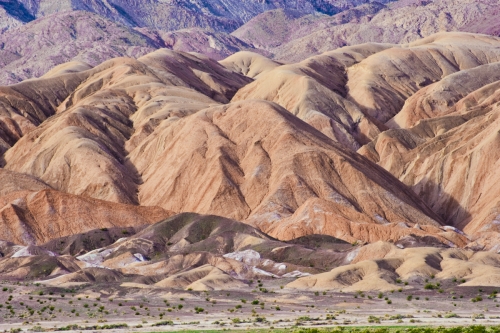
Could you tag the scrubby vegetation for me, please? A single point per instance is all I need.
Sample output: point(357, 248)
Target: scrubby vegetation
point(469, 329)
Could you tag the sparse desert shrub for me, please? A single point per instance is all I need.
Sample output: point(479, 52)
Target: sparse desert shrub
point(451, 315)
point(430, 286)
point(163, 323)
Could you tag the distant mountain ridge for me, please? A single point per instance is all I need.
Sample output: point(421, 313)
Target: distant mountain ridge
point(175, 14)
point(36, 35)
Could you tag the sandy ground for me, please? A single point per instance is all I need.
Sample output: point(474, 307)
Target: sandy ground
point(140, 308)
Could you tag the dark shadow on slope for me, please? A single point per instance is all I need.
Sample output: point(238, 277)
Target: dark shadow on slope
point(17, 10)
point(323, 242)
point(442, 203)
point(125, 15)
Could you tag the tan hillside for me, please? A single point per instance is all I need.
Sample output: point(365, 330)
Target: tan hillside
point(416, 264)
point(119, 103)
point(248, 175)
point(315, 91)
point(448, 153)
point(348, 94)
point(249, 64)
point(270, 144)
point(36, 217)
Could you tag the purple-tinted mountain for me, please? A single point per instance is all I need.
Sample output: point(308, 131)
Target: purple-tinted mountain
point(292, 38)
point(216, 45)
point(172, 15)
point(31, 50)
point(37, 35)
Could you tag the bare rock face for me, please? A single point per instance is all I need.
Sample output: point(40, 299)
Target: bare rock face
point(308, 187)
point(93, 31)
point(379, 87)
point(276, 28)
point(79, 36)
point(96, 121)
point(437, 99)
point(31, 212)
point(224, 16)
point(249, 64)
point(7, 21)
point(152, 132)
point(30, 217)
point(191, 251)
point(348, 94)
point(315, 90)
point(444, 145)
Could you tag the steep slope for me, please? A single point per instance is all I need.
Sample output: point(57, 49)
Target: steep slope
point(28, 104)
point(109, 110)
point(349, 93)
point(32, 213)
point(17, 182)
point(215, 45)
point(249, 64)
point(96, 30)
point(8, 21)
point(37, 217)
point(447, 150)
point(314, 90)
point(436, 99)
point(311, 186)
point(151, 132)
point(381, 84)
point(200, 252)
point(186, 251)
point(275, 28)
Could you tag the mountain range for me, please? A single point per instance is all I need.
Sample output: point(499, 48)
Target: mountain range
point(152, 142)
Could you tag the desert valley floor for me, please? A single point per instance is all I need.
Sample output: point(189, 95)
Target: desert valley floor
point(112, 307)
